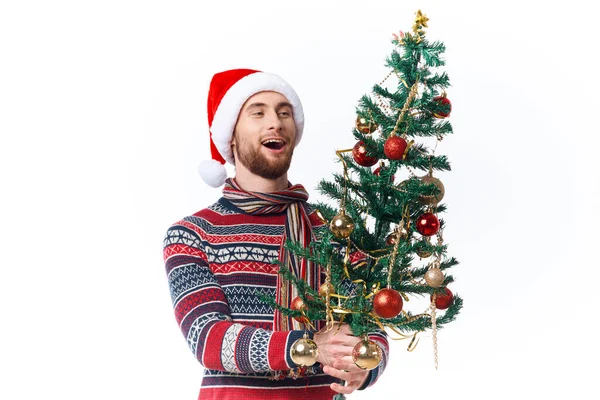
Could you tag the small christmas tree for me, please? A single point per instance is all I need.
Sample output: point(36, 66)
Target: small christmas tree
point(379, 248)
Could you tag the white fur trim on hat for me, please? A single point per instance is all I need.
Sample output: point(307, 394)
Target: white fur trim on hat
point(228, 111)
point(213, 173)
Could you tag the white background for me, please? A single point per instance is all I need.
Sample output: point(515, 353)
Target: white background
point(103, 124)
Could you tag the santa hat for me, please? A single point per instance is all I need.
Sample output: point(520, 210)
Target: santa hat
point(228, 92)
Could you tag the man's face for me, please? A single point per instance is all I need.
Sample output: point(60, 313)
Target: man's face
point(264, 135)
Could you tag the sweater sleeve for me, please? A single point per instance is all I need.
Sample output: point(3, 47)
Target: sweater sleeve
point(203, 315)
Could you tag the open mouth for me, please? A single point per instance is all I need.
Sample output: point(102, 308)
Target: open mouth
point(274, 144)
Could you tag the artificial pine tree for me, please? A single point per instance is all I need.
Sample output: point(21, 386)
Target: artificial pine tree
point(379, 250)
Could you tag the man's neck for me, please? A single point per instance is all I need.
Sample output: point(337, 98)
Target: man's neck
point(255, 183)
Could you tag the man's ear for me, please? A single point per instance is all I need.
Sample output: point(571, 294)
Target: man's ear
point(232, 145)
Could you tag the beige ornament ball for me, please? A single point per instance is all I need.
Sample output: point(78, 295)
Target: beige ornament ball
point(434, 277)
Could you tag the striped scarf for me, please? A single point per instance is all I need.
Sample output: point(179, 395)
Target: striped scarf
point(297, 228)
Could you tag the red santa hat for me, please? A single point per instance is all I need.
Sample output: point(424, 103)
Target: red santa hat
point(228, 92)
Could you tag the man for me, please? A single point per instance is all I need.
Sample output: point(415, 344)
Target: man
point(220, 260)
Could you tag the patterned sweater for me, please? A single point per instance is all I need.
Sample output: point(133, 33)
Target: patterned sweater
point(218, 262)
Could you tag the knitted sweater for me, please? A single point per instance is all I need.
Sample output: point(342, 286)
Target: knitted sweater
point(218, 262)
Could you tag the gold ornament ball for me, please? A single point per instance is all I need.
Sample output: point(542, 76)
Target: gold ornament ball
point(393, 238)
point(366, 354)
point(342, 226)
point(422, 249)
point(422, 253)
point(432, 199)
point(325, 289)
point(365, 126)
point(304, 352)
point(434, 277)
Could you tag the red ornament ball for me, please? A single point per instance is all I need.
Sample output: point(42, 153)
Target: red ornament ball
point(394, 148)
point(442, 100)
point(359, 152)
point(387, 303)
point(391, 239)
point(443, 300)
point(428, 224)
point(298, 304)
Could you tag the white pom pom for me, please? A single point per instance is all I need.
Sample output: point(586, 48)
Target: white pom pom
point(212, 172)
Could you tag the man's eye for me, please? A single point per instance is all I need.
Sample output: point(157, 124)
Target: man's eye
point(284, 113)
point(258, 113)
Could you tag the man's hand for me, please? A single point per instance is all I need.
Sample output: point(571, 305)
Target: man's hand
point(349, 372)
point(335, 353)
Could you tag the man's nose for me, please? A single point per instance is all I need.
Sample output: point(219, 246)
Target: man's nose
point(273, 121)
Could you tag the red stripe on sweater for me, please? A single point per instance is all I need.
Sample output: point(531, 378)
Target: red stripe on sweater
point(214, 342)
point(277, 350)
point(234, 239)
point(192, 300)
point(244, 238)
point(192, 227)
point(182, 249)
point(245, 266)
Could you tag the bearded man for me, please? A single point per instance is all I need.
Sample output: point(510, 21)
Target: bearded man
point(220, 260)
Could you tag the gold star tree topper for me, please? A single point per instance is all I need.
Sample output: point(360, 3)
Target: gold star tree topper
point(420, 22)
point(421, 19)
